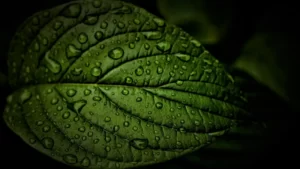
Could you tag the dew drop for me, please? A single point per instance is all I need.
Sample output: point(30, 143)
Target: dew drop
point(48, 143)
point(70, 158)
point(128, 80)
point(160, 70)
point(139, 99)
point(82, 38)
point(25, 96)
point(71, 92)
point(139, 71)
point(46, 129)
point(107, 119)
point(51, 64)
point(71, 11)
point(85, 162)
point(159, 105)
point(159, 22)
point(98, 35)
point(66, 115)
point(183, 57)
point(153, 35)
point(81, 129)
point(97, 3)
point(87, 92)
point(163, 46)
point(76, 71)
point(116, 128)
point(126, 123)
point(131, 45)
point(72, 51)
point(125, 92)
point(116, 53)
point(96, 71)
point(139, 144)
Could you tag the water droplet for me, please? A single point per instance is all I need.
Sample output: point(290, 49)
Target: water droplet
point(46, 129)
point(51, 64)
point(126, 123)
point(104, 25)
point(160, 70)
point(125, 92)
point(25, 96)
point(77, 106)
point(35, 21)
point(159, 22)
point(107, 148)
point(107, 119)
point(116, 53)
point(97, 3)
point(146, 46)
point(76, 71)
point(97, 98)
point(81, 129)
point(148, 71)
point(87, 92)
point(67, 125)
point(159, 105)
point(85, 162)
point(139, 144)
point(96, 71)
point(72, 51)
point(66, 115)
point(196, 43)
point(116, 128)
point(136, 21)
point(139, 71)
point(48, 143)
point(183, 67)
point(57, 25)
point(90, 134)
point(135, 128)
point(71, 92)
point(39, 123)
point(98, 35)
point(71, 11)
point(70, 158)
point(131, 45)
point(163, 46)
point(183, 57)
point(121, 25)
point(107, 139)
point(139, 99)
point(128, 80)
point(152, 35)
point(179, 82)
point(197, 123)
point(96, 141)
point(90, 20)
point(82, 38)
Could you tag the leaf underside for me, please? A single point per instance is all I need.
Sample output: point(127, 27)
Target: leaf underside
point(105, 84)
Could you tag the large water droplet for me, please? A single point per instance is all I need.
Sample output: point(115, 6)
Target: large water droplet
point(163, 46)
point(116, 53)
point(125, 92)
point(90, 20)
point(139, 71)
point(96, 71)
point(85, 162)
point(76, 71)
point(66, 115)
point(159, 105)
point(25, 96)
point(139, 144)
point(98, 35)
point(152, 35)
point(77, 106)
point(72, 51)
point(71, 92)
point(183, 57)
point(159, 22)
point(71, 11)
point(82, 38)
point(48, 143)
point(70, 158)
point(51, 64)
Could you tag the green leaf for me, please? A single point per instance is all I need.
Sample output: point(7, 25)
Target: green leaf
point(105, 84)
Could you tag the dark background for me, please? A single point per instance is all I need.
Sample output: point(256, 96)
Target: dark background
point(280, 147)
